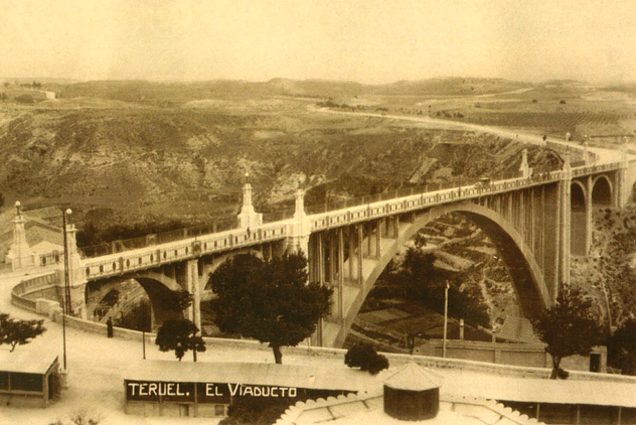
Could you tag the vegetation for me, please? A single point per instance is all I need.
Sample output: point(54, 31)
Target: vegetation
point(81, 417)
point(137, 318)
point(178, 300)
point(92, 234)
point(569, 327)
point(365, 357)
point(621, 348)
point(179, 335)
point(270, 301)
point(18, 332)
point(427, 285)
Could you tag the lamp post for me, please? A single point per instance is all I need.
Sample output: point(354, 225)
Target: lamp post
point(445, 319)
point(67, 292)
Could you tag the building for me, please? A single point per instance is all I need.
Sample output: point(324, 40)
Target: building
point(203, 389)
point(27, 379)
point(42, 233)
point(410, 396)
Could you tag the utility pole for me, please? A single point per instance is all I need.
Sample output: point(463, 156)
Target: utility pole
point(445, 319)
point(67, 293)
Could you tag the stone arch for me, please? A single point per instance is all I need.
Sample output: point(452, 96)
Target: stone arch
point(158, 287)
point(578, 196)
point(210, 268)
point(578, 218)
point(602, 191)
point(528, 282)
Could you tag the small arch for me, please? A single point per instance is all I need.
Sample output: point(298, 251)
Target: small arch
point(578, 219)
point(577, 196)
point(602, 190)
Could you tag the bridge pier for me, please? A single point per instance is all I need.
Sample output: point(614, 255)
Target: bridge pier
point(192, 285)
point(76, 276)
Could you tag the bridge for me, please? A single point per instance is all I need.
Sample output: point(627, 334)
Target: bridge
point(537, 222)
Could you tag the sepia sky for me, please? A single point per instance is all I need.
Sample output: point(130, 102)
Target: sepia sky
point(363, 40)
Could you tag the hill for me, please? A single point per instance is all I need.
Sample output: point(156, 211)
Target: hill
point(189, 162)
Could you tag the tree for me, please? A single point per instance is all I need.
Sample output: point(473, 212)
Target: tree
point(18, 332)
point(569, 327)
point(270, 301)
point(179, 335)
point(365, 357)
point(621, 347)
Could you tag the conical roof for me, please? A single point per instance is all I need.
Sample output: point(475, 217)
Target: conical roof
point(413, 377)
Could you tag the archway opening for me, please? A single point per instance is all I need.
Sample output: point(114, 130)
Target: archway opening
point(578, 220)
point(490, 287)
point(602, 192)
point(141, 303)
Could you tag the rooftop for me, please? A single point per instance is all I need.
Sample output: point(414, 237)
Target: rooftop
point(25, 361)
point(412, 377)
point(355, 409)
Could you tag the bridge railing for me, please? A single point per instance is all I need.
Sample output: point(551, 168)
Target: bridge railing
point(333, 205)
point(591, 169)
point(22, 293)
point(182, 249)
point(122, 245)
point(404, 201)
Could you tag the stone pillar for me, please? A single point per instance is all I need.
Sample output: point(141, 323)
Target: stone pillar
point(20, 255)
point(248, 217)
point(588, 214)
point(300, 227)
point(360, 235)
point(564, 225)
point(622, 191)
point(320, 277)
point(378, 236)
point(333, 274)
point(192, 286)
point(351, 242)
point(340, 275)
point(76, 274)
point(524, 169)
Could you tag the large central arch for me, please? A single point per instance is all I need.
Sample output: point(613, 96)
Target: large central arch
point(528, 282)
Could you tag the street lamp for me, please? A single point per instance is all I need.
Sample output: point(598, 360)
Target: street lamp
point(67, 292)
point(445, 319)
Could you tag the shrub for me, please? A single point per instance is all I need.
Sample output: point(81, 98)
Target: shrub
point(365, 357)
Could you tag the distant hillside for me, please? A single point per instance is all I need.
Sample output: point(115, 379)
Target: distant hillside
point(189, 163)
point(145, 91)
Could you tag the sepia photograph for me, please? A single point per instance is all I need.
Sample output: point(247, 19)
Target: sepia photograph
point(304, 212)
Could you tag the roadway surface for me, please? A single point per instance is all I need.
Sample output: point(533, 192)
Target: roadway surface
point(605, 155)
point(97, 366)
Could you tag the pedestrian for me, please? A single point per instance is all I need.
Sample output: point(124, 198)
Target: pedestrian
point(109, 328)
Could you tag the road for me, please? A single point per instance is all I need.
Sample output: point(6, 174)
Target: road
point(524, 136)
